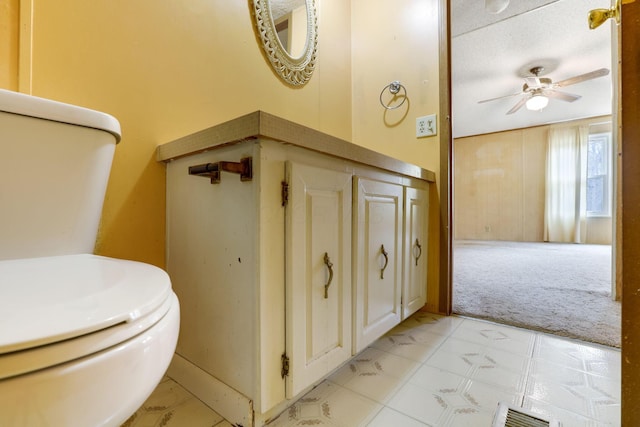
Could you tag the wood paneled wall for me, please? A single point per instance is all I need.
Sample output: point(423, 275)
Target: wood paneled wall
point(499, 187)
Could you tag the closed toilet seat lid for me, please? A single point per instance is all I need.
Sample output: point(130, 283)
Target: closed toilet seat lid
point(52, 299)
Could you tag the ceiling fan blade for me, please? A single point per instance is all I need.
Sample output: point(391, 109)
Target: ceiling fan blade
point(518, 105)
point(563, 96)
point(582, 77)
point(500, 97)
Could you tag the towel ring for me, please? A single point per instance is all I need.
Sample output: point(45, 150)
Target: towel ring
point(394, 87)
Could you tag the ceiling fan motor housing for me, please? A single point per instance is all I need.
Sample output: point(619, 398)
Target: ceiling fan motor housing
point(544, 82)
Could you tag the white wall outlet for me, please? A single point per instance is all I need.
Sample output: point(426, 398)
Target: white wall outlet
point(426, 126)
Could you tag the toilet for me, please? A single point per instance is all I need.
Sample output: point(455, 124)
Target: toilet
point(84, 339)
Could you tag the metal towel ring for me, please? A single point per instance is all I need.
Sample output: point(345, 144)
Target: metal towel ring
point(394, 87)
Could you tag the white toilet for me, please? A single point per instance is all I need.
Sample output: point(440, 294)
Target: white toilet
point(84, 339)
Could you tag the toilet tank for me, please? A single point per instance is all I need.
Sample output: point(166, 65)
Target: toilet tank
point(55, 160)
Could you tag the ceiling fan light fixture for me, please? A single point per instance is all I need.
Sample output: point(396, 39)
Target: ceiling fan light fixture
point(537, 102)
point(495, 6)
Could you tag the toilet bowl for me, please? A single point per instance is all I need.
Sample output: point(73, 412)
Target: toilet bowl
point(84, 339)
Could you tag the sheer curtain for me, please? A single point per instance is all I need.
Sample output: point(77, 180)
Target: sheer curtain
point(565, 214)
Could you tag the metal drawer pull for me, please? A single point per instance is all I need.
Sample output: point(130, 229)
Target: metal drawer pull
point(212, 170)
point(419, 251)
point(329, 265)
point(386, 261)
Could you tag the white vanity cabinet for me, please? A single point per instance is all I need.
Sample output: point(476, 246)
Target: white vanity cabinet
point(415, 234)
point(275, 238)
point(377, 253)
point(389, 255)
point(318, 265)
point(226, 258)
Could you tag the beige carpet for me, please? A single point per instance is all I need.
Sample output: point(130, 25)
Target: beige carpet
point(563, 289)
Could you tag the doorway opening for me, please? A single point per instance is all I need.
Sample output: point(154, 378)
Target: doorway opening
point(507, 265)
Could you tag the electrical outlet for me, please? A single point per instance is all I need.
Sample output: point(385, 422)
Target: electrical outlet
point(426, 126)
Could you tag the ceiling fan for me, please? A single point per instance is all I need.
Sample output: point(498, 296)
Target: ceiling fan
point(536, 90)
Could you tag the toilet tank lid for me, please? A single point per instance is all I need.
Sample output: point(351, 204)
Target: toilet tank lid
point(33, 106)
point(51, 299)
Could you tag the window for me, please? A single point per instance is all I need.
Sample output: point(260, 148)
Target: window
point(599, 175)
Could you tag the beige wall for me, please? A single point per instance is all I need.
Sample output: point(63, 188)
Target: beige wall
point(395, 40)
point(398, 40)
point(499, 182)
point(167, 69)
point(9, 13)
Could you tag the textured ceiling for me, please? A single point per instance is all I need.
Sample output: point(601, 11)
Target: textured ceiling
point(492, 53)
point(282, 7)
point(469, 15)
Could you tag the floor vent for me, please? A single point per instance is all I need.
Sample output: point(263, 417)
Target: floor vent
point(507, 416)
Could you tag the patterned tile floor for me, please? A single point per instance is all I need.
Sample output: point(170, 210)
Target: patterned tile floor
point(438, 371)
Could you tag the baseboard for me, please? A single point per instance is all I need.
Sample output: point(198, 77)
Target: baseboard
point(229, 403)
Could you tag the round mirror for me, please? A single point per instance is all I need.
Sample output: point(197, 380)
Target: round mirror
point(288, 31)
point(290, 20)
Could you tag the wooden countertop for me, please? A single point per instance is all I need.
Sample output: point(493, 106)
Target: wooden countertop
point(259, 124)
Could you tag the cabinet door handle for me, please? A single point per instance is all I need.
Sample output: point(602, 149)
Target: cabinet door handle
point(419, 251)
point(329, 265)
point(386, 261)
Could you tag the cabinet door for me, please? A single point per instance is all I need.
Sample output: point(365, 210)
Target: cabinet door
point(318, 265)
point(416, 211)
point(377, 259)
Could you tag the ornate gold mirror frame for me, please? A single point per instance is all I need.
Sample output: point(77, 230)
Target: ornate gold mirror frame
point(295, 71)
